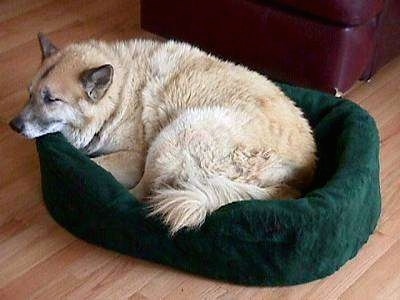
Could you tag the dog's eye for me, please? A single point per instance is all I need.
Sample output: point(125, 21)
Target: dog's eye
point(47, 98)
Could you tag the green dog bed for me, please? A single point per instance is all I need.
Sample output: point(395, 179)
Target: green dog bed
point(256, 242)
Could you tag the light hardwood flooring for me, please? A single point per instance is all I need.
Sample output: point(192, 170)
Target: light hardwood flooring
point(39, 259)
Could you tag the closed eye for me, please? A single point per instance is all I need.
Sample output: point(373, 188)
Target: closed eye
point(47, 98)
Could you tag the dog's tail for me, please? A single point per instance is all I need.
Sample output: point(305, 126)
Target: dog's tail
point(188, 203)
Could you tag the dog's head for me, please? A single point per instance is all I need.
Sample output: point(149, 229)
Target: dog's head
point(64, 92)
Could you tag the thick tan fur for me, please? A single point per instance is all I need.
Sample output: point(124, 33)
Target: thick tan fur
point(194, 131)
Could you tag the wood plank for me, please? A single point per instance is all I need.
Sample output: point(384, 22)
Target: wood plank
point(382, 279)
point(118, 278)
point(13, 8)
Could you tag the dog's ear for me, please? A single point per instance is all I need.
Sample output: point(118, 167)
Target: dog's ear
point(96, 81)
point(48, 49)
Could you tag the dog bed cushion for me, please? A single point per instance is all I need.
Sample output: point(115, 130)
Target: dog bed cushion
point(256, 242)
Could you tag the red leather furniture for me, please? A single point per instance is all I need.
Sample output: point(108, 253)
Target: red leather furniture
point(326, 45)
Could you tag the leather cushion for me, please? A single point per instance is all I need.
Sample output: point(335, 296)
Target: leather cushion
point(347, 12)
point(289, 47)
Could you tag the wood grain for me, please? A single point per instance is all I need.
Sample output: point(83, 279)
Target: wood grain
point(40, 260)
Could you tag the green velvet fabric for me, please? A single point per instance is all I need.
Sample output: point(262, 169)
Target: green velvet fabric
point(249, 242)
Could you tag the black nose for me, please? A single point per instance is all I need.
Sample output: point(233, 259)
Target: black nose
point(17, 124)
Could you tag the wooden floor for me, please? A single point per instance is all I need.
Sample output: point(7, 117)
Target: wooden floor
point(39, 259)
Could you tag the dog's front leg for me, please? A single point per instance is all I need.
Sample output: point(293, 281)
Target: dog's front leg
point(125, 166)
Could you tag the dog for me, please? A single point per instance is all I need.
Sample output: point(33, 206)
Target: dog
point(185, 131)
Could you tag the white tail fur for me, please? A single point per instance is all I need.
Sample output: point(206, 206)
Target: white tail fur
point(188, 203)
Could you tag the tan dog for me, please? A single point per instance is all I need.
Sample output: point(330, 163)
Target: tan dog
point(197, 132)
